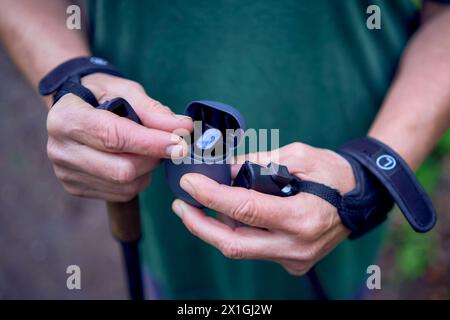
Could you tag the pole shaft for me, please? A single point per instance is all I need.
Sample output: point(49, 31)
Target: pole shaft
point(130, 252)
point(125, 222)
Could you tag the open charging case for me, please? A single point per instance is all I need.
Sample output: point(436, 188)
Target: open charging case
point(211, 145)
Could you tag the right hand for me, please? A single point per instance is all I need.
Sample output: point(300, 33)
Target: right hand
point(98, 154)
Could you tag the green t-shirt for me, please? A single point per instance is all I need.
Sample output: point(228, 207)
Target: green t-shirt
point(310, 68)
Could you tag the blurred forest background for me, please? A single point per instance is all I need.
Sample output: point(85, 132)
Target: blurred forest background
point(43, 230)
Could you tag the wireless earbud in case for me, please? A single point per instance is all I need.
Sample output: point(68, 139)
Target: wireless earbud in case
point(211, 146)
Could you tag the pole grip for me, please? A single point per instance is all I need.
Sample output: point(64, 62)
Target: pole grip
point(125, 220)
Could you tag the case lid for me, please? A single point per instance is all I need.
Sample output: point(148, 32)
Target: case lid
point(218, 115)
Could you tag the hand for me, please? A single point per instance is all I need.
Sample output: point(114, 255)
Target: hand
point(295, 232)
point(98, 154)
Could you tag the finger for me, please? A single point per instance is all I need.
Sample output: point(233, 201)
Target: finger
point(241, 243)
point(106, 131)
point(233, 224)
point(261, 158)
point(155, 115)
point(278, 156)
point(87, 191)
point(116, 168)
point(75, 190)
point(295, 268)
point(86, 181)
point(152, 113)
point(247, 206)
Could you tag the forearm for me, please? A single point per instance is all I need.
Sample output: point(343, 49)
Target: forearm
point(36, 37)
point(416, 111)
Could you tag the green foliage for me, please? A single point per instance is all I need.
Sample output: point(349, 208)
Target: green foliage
point(443, 147)
point(414, 252)
point(417, 3)
point(430, 171)
point(428, 174)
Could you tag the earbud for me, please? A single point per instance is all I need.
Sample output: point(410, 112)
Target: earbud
point(209, 139)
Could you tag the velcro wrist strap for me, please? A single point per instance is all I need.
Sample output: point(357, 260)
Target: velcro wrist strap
point(367, 205)
point(74, 68)
point(396, 176)
point(66, 78)
point(74, 86)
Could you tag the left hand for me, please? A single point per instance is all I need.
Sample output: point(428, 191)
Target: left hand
point(295, 232)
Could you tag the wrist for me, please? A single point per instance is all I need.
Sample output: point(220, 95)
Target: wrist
point(43, 61)
point(59, 56)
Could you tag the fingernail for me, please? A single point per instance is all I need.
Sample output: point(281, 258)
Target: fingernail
point(186, 185)
point(175, 151)
point(178, 208)
point(182, 117)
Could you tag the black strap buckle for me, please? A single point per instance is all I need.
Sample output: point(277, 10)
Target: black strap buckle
point(122, 108)
point(276, 180)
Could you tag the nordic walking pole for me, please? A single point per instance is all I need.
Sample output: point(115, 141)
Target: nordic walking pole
point(124, 218)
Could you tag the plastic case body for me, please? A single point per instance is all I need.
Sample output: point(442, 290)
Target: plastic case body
point(215, 115)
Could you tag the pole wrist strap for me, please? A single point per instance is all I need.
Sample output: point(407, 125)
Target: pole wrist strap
point(66, 78)
point(389, 175)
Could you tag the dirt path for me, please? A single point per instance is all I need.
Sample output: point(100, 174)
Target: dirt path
point(42, 229)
